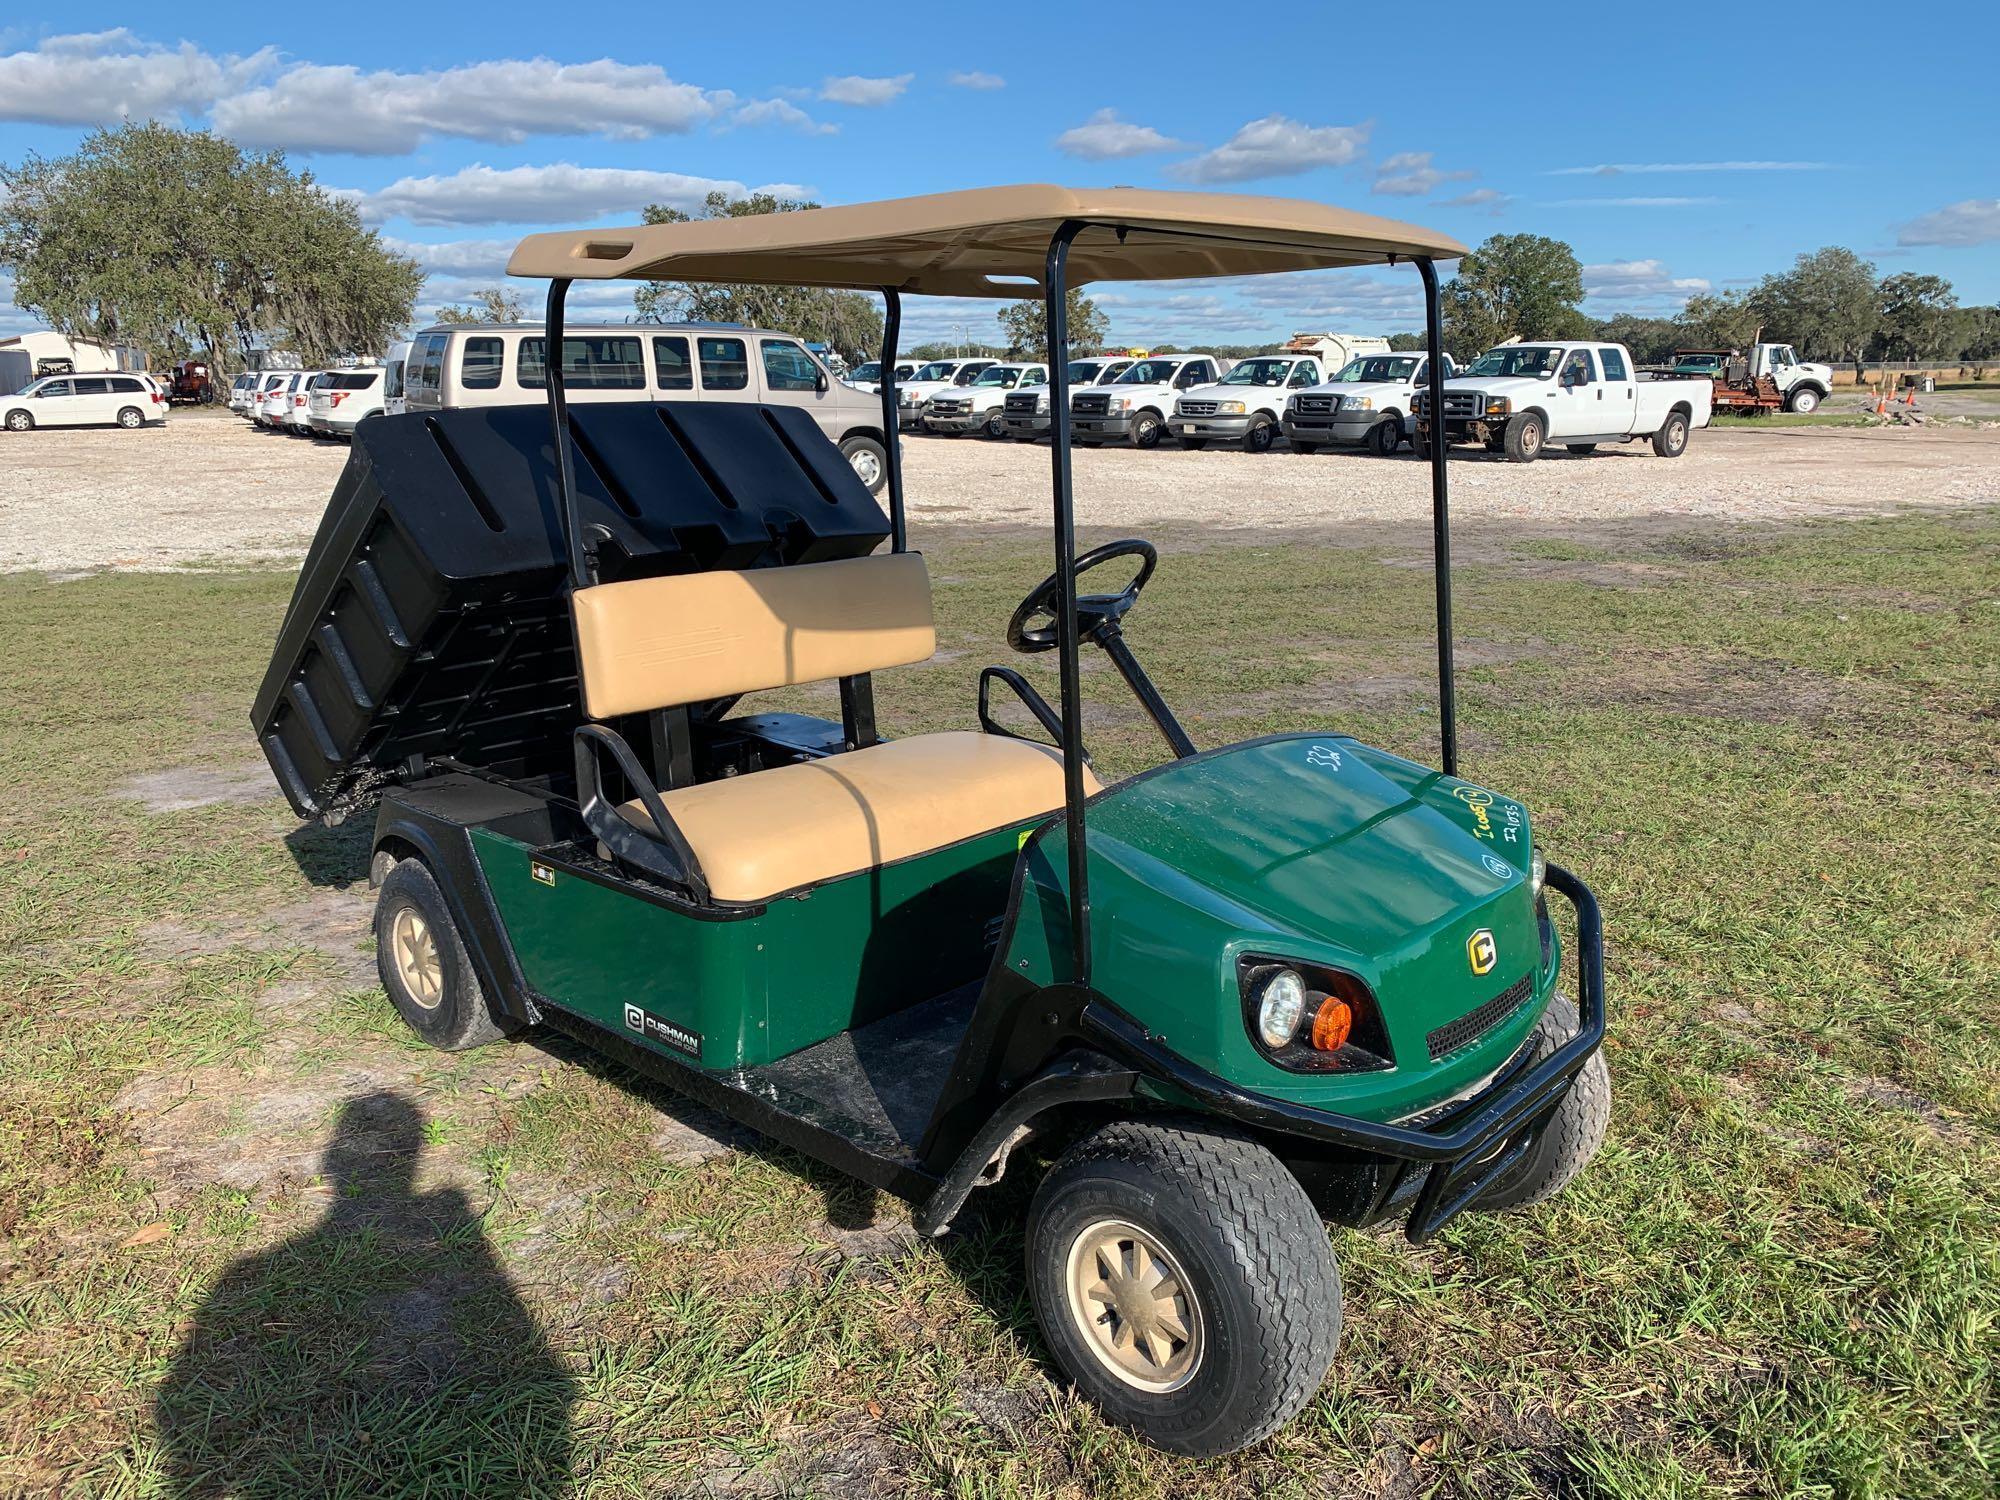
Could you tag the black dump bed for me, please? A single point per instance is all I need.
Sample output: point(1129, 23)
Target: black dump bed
point(431, 618)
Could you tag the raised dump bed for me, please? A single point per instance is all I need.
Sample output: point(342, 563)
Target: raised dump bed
point(431, 624)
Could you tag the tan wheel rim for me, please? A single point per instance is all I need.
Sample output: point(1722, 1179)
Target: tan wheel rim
point(414, 949)
point(1134, 1307)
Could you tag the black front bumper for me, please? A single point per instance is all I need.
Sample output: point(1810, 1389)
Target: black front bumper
point(1461, 1151)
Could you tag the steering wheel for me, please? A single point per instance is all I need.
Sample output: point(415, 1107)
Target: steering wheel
point(1092, 610)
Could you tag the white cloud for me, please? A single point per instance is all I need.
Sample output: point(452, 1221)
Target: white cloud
point(781, 112)
point(98, 78)
point(976, 80)
point(309, 107)
point(1105, 137)
point(1409, 174)
point(471, 258)
point(1276, 146)
point(1630, 202)
point(1490, 200)
point(1639, 281)
point(1976, 221)
point(1614, 169)
point(557, 194)
point(866, 92)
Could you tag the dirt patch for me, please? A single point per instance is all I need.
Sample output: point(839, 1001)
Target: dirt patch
point(334, 920)
point(1884, 1091)
point(187, 787)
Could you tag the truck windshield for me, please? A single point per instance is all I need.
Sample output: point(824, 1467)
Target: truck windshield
point(1259, 372)
point(937, 370)
point(1083, 371)
point(997, 375)
point(1531, 361)
point(1150, 372)
point(1377, 367)
point(870, 371)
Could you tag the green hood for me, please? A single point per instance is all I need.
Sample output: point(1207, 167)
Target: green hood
point(1315, 848)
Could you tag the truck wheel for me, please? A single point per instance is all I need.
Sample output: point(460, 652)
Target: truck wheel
point(1573, 1134)
point(1420, 444)
point(1146, 430)
point(1386, 436)
point(996, 425)
point(1582, 450)
point(1672, 439)
point(424, 965)
point(1298, 446)
point(1523, 440)
point(869, 460)
point(1263, 432)
point(131, 417)
point(20, 421)
point(1193, 445)
point(1184, 1283)
point(1804, 400)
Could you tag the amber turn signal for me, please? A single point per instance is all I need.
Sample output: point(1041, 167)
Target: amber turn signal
point(1331, 1023)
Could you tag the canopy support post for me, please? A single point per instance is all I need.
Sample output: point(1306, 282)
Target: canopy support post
point(582, 564)
point(1440, 513)
point(892, 438)
point(1057, 305)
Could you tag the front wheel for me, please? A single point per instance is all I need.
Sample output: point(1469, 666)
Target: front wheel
point(20, 421)
point(1523, 440)
point(1574, 1132)
point(1804, 401)
point(1184, 1283)
point(996, 425)
point(1672, 439)
point(869, 460)
point(131, 416)
point(1263, 432)
point(1146, 430)
point(424, 965)
point(1386, 436)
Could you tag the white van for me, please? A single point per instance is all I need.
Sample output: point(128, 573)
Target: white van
point(392, 379)
point(84, 401)
point(504, 364)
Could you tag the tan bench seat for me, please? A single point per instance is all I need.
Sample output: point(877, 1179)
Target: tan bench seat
point(774, 831)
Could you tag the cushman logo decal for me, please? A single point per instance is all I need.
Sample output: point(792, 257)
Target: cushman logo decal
point(1481, 951)
point(659, 1029)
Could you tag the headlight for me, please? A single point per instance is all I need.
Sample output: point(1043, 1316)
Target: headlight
point(1280, 1005)
point(1041, 405)
point(1291, 403)
point(1119, 403)
point(1230, 408)
point(1538, 872)
point(1357, 403)
point(1498, 406)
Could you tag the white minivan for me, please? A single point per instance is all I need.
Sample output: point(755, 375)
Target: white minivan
point(84, 401)
point(504, 364)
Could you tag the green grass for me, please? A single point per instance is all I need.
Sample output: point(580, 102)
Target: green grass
point(1770, 752)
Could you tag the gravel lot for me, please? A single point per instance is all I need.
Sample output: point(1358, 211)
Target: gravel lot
point(209, 488)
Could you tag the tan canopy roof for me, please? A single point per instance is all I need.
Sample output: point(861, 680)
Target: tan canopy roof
point(955, 244)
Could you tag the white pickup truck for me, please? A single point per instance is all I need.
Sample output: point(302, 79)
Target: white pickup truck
point(1370, 399)
point(938, 375)
point(981, 402)
point(1518, 398)
point(1245, 405)
point(1027, 412)
point(1134, 407)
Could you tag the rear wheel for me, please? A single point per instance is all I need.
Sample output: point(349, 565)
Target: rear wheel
point(1146, 428)
point(131, 416)
point(1573, 1134)
point(869, 460)
point(20, 421)
point(1184, 1282)
point(1523, 440)
point(424, 965)
point(1386, 436)
point(1672, 439)
point(1263, 432)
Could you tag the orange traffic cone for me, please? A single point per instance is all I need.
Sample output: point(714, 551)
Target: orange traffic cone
point(1910, 394)
point(1882, 401)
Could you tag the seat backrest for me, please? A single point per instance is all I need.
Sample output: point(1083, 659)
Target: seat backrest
point(653, 643)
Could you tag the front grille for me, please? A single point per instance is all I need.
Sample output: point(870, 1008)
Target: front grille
point(1197, 408)
point(1090, 406)
point(1463, 403)
point(1318, 404)
point(950, 408)
point(1481, 1019)
point(1023, 405)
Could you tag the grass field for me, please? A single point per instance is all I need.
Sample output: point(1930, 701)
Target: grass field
point(1771, 753)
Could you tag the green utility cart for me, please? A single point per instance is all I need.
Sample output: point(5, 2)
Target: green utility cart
point(1257, 987)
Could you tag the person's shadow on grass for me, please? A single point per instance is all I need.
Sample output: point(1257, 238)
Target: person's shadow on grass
point(382, 1352)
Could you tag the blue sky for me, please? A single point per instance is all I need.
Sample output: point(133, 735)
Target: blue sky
point(1674, 156)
